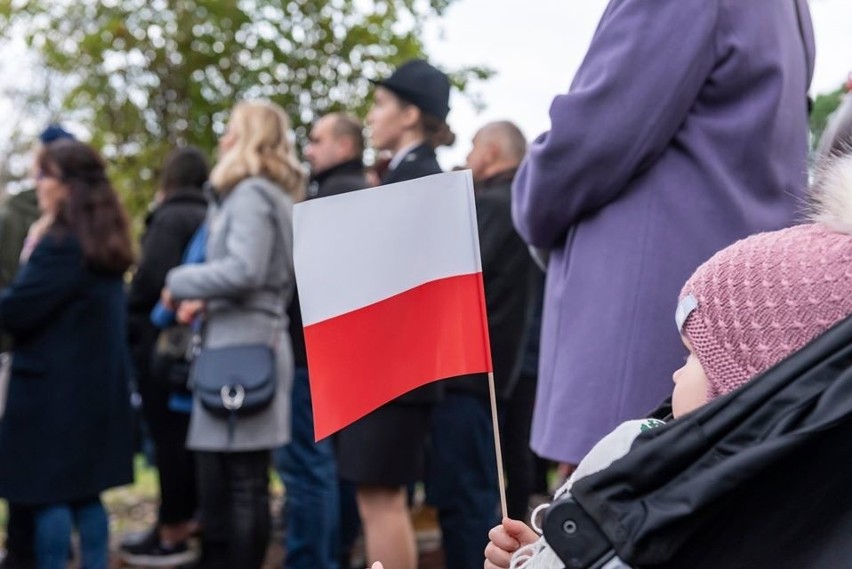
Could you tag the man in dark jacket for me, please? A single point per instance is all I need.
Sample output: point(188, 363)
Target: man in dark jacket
point(307, 468)
point(334, 151)
point(463, 478)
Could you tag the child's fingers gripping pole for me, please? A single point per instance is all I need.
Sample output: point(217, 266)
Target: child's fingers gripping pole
point(497, 448)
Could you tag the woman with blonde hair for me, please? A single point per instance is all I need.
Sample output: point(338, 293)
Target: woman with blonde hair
point(242, 288)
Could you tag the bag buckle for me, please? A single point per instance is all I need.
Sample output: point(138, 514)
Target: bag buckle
point(233, 396)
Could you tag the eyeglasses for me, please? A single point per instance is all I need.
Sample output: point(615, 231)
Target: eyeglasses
point(42, 175)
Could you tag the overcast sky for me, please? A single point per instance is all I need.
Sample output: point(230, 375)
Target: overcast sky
point(536, 46)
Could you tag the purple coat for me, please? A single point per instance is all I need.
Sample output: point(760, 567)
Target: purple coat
point(685, 129)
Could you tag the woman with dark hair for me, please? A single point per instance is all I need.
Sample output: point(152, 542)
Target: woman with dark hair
point(383, 453)
point(168, 229)
point(408, 120)
point(65, 436)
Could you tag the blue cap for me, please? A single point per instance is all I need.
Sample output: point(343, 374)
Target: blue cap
point(55, 132)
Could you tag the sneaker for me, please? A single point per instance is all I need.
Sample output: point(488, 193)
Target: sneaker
point(151, 552)
point(136, 538)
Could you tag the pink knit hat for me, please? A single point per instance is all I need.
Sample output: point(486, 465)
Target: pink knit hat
point(764, 297)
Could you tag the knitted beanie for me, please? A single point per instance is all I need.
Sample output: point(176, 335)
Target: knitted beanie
point(763, 298)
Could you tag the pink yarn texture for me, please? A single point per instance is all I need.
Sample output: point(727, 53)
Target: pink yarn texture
point(765, 297)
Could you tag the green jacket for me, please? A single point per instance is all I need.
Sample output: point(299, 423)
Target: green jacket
point(17, 213)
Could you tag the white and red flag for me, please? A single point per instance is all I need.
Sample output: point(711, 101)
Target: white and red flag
point(390, 286)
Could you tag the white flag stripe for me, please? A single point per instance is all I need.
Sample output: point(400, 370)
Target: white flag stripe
point(355, 249)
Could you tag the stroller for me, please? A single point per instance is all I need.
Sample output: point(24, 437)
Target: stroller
point(759, 478)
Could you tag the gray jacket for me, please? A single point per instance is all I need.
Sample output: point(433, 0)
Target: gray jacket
point(247, 280)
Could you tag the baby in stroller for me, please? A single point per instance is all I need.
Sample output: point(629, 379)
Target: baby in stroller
point(743, 311)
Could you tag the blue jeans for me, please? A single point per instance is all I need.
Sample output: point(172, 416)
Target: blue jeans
point(462, 480)
point(53, 526)
point(309, 472)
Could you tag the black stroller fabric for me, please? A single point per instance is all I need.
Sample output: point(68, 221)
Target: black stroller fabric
point(759, 478)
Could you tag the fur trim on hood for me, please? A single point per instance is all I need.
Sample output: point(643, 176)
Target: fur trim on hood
point(837, 136)
point(832, 194)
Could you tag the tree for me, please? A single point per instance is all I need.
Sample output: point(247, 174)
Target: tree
point(149, 75)
point(29, 106)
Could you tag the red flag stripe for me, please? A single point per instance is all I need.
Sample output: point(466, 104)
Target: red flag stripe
point(362, 359)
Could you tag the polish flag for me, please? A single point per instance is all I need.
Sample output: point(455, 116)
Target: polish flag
point(390, 286)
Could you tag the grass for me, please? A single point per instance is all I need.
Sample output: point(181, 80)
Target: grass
point(128, 505)
point(133, 507)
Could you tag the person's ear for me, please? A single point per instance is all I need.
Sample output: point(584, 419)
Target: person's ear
point(493, 152)
point(410, 116)
point(345, 147)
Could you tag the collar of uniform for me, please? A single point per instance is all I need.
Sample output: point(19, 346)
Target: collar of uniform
point(402, 154)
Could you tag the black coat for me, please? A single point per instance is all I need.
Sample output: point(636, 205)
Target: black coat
point(419, 162)
point(66, 433)
point(508, 275)
point(340, 179)
point(168, 230)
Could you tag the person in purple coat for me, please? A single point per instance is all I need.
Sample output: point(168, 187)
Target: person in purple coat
point(684, 130)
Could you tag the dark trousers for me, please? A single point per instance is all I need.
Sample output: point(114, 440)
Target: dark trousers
point(168, 428)
point(234, 492)
point(308, 470)
point(462, 482)
point(20, 537)
point(175, 463)
point(518, 459)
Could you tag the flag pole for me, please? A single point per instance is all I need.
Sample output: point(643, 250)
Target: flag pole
point(497, 448)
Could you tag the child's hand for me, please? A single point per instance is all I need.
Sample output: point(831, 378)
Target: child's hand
point(506, 539)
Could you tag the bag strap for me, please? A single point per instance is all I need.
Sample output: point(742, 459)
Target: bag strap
point(279, 225)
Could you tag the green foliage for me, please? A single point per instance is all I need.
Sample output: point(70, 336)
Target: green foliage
point(824, 105)
point(148, 75)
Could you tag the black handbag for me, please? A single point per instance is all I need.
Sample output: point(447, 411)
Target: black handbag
point(174, 351)
point(235, 381)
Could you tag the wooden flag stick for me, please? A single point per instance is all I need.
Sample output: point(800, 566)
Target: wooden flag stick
point(498, 449)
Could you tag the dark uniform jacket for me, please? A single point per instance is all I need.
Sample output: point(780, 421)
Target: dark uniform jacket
point(339, 179)
point(419, 162)
point(508, 273)
point(66, 432)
